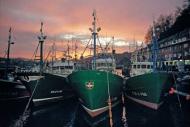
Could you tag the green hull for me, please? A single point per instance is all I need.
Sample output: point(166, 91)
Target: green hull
point(92, 89)
point(149, 89)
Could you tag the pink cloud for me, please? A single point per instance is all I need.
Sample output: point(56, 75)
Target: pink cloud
point(119, 18)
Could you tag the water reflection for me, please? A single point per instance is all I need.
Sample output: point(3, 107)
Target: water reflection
point(69, 113)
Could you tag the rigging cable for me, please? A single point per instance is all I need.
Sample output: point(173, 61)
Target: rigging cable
point(108, 89)
point(35, 52)
point(86, 47)
point(176, 85)
point(109, 101)
point(5, 53)
point(23, 118)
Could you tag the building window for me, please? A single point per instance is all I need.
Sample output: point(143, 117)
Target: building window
point(186, 53)
point(185, 45)
point(184, 39)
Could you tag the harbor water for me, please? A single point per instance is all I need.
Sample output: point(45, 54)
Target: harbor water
point(175, 112)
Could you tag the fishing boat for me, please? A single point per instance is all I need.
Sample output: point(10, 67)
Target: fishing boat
point(11, 88)
point(62, 66)
point(98, 87)
point(47, 85)
point(146, 84)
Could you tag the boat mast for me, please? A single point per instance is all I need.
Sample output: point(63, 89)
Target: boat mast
point(113, 46)
point(75, 50)
point(94, 31)
point(41, 38)
point(53, 55)
point(8, 51)
point(68, 51)
point(136, 49)
point(155, 48)
point(113, 51)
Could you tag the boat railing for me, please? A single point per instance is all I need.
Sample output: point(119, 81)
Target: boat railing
point(60, 71)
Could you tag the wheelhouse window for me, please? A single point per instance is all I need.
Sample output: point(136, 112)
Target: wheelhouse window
point(67, 67)
point(148, 66)
point(143, 66)
point(103, 64)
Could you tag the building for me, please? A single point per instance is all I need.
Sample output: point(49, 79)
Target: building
point(173, 44)
point(175, 47)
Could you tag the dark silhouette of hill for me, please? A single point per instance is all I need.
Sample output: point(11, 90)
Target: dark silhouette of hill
point(123, 59)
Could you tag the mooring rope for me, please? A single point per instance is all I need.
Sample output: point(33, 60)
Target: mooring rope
point(31, 96)
point(22, 119)
point(109, 102)
point(124, 118)
point(176, 85)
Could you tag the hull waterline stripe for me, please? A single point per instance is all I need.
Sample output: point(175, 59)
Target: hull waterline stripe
point(20, 87)
point(14, 98)
point(146, 103)
point(101, 110)
point(44, 99)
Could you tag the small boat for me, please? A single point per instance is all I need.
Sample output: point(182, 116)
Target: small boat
point(146, 84)
point(11, 88)
point(47, 84)
point(182, 76)
point(99, 86)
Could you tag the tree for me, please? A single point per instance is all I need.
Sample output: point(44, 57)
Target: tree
point(169, 24)
point(162, 24)
point(148, 35)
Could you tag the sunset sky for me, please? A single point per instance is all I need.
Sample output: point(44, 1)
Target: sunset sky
point(66, 19)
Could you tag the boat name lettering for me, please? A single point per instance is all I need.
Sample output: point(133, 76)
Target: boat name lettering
point(139, 93)
point(56, 91)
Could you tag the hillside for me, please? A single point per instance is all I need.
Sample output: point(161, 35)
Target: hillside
point(182, 22)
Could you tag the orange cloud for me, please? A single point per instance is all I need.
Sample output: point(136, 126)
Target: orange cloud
point(122, 19)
